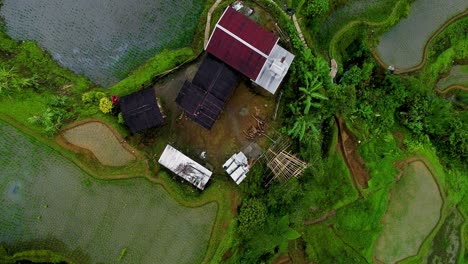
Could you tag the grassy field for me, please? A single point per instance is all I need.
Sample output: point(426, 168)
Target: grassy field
point(49, 203)
point(403, 45)
point(101, 141)
point(413, 211)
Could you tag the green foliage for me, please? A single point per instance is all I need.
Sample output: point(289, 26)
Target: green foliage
point(120, 119)
point(273, 238)
point(92, 96)
point(251, 217)
point(143, 76)
point(122, 254)
point(323, 246)
point(433, 116)
point(105, 105)
point(359, 223)
point(11, 81)
point(52, 119)
point(316, 8)
point(305, 123)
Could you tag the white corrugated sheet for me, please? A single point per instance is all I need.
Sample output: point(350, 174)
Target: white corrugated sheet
point(237, 167)
point(185, 167)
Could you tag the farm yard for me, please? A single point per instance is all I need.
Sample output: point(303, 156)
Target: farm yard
point(382, 153)
point(103, 40)
point(403, 46)
point(49, 203)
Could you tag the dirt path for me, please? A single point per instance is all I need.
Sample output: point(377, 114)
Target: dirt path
point(426, 47)
point(298, 28)
point(452, 87)
point(320, 219)
point(208, 21)
point(348, 148)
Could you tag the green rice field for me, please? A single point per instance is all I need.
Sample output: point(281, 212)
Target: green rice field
point(403, 45)
point(458, 75)
point(103, 39)
point(413, 211)
point(49, 203)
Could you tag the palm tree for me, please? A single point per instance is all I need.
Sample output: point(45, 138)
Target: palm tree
point(304, 122)
point(310, 92)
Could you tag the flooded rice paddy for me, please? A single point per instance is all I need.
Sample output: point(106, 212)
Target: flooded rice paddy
point(101, 141)
point(448, 241)
point(49, 203)
point(103, 39)
point(413, 211)
point(403, 45)
point(458, 76)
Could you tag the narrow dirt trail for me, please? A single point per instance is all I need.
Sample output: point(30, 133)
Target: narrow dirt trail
point(298, 28)
point(208, 21)
point(348, 147)
point(452, 87)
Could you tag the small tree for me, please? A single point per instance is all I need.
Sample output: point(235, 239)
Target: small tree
point(316, 8)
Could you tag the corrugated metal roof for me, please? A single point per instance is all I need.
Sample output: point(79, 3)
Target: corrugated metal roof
point(250, 49)
point(185, 167)
point(248, 30)
point(237, 55)
point(203, 100)
point(140, 110)
point(237, 167)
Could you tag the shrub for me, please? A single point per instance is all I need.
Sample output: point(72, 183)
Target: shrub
point(120, 119)
point(93, 96)
point(105, 105)
point(252, 216)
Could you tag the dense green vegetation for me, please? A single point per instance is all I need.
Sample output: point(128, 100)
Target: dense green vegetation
point(377, 105)
point(393, 117)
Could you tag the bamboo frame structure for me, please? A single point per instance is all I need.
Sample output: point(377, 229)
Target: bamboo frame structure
point(283, 164)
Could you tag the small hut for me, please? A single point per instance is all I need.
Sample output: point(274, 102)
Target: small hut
point(185, 167)
point(140, 110)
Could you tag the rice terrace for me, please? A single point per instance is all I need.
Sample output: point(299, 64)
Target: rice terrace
point(254, 131)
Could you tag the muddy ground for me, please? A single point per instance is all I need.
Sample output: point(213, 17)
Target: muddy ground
point(227, 136)
point(348, 144)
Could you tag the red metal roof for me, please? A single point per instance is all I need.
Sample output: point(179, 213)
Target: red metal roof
point(236, 54)
point(240, 42)
point(248, 30)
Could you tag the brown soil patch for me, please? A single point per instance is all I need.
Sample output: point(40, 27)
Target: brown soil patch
point(321, 219)
point(348, 146)
point(283, 259)
point(227, 135)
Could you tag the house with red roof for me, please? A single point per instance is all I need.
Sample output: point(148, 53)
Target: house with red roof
point(250, 49)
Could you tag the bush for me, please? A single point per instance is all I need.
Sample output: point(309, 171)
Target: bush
point(105, 105)
point(120, 119)
point(93, 96)
point(251, 217)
